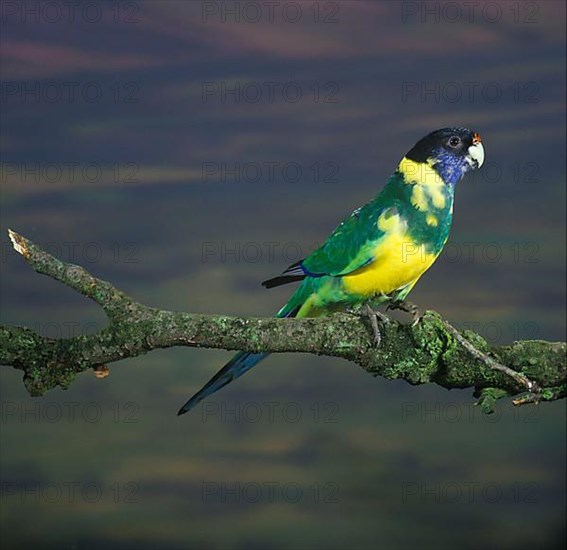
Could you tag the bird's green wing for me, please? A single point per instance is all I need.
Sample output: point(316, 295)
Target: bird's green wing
point(350, 246)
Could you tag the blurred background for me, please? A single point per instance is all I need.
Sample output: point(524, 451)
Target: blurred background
point(186, 151)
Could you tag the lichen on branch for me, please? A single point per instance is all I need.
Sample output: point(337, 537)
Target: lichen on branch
point(430, 352)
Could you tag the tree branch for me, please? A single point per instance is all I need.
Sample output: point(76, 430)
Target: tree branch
point(431, 351)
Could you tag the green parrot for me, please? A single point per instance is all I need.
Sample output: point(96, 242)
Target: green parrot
point(377, 254)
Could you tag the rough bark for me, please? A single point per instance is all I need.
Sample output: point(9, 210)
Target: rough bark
point(430, 352)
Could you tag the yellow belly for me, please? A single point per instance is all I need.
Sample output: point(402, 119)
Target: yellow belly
point(399, 262)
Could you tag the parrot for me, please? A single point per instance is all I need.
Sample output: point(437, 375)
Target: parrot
point(378, 253)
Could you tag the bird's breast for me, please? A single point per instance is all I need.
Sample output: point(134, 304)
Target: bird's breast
point(412, 240)
point(399, 261)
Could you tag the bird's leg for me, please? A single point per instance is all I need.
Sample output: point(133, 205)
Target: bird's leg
point(373, 315)
point(408, 307)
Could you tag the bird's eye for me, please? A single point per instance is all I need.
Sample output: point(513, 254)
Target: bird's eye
point(454, 141)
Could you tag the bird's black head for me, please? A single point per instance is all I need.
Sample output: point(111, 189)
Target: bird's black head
point(451, 151)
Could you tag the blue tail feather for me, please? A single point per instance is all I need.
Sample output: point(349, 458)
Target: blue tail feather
point(242, 362)
point(237, 366)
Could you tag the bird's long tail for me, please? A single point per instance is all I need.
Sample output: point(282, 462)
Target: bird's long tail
point(242, 362)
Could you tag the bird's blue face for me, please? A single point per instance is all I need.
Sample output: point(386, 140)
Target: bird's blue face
point(451, 151)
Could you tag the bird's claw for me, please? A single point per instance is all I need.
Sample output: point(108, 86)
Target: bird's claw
point(373, 316)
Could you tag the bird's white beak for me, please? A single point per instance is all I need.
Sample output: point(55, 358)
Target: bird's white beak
point(475, 155)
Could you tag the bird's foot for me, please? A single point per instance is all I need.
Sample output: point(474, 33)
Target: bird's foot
point(408, 307)
point(374, 316)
